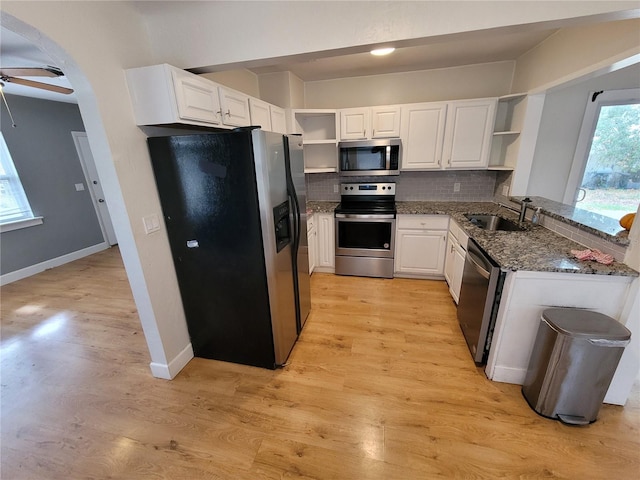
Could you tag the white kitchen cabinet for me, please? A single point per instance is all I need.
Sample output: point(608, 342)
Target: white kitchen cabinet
point(370, 122)
point(312, 238)
point(468, 132)
point(455, 257)
point(422, 135)
point(260, 114)
point(326, 261)
point(319, 128)
point(420, 245)
point(235, 107)
point(162, 94)
point(278, 119)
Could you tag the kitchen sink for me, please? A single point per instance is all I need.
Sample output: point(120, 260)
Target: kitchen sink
point(493, 223)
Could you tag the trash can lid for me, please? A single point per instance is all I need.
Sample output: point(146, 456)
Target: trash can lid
point(585, 323)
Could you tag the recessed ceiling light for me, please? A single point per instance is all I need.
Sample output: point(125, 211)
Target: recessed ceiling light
point(382, 51)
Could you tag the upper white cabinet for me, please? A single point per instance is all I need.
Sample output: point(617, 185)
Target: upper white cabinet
point(319, 129)
point(278, 119)
point(260, 113)
point(468, 131)
point(447, 135)
point(235, 107)
point(163, 94)
point(422, 135)
point(370, 122)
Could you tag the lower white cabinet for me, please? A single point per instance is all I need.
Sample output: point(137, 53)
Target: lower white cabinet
point(312, 238)
point(326, 260)
point(455, 257)
point(420, 245)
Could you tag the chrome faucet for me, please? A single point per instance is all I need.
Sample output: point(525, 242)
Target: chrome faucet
point(523, 209)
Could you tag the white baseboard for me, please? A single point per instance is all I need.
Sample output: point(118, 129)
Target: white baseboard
point(509, 375)
point(52, 263)
point(170, 370)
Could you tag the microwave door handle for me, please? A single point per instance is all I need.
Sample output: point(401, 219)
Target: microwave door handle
point(388, 157)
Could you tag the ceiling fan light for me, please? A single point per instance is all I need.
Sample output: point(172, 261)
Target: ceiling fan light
point(379, 52)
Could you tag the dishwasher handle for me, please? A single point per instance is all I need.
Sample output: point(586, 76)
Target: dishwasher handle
point(479, 268)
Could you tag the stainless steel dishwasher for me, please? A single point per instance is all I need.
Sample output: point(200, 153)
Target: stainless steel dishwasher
point(480, 294)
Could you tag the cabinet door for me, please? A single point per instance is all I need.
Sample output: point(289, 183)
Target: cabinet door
point(420, 252)
point(422, 135)
point(450, 257)
point(468, 133)
point(260, 114)
point(235, 108)
point(278, 119)
point(326, 241)
point(354, 123)
point(312, 236)
point(459, 255)
point(385, 122)
point(197, 99)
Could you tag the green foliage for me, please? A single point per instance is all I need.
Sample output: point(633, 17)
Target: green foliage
point(616, 141)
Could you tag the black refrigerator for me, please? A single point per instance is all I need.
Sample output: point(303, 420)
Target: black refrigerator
point(233, 217)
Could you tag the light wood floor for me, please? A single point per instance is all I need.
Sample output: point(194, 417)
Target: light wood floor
point(379, 386)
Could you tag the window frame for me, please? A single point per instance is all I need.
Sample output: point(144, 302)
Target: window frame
point(589, 123)
point(27, 219)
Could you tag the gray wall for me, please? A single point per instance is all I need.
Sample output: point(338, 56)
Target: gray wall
point(560, 127)
point(47, 162)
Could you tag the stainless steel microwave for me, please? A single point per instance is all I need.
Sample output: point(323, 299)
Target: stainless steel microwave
point(370, 157)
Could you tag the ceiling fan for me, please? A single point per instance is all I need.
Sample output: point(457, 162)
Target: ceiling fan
point(12, 75)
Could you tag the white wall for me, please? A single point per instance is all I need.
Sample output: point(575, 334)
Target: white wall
point(241, 79)
point(473, 81)
point(282, 88)
point(574, 53)
point(560, 127)
point(92, 42)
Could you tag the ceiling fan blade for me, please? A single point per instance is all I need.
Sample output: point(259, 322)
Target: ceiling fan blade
point(28, 72)
point(43, 86)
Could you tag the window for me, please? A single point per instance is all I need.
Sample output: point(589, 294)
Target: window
point(605, 177)
point(15, 211)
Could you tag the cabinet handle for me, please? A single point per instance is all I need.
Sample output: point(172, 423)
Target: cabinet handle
point(228, 113)
point(219, 112)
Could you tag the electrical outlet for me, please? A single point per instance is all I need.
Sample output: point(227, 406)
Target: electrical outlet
point(79, 187)
point(335, 188)
point(505, 190)
point(456, 187)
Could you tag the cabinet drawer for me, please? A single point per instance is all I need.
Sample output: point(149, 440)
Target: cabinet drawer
point(310, 222)
point(423, 222)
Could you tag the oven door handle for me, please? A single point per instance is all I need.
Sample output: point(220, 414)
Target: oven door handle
point(360, 215)
point(479, 268)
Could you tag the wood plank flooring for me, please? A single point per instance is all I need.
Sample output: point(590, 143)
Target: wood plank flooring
point(379, 386)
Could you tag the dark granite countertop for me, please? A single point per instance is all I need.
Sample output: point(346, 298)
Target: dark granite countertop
point(534, 249)
point(599, 225)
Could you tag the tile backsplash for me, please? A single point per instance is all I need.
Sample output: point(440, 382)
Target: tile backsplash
point(474, 185)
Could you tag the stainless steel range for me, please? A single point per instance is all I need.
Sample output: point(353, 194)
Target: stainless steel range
point(365, 229)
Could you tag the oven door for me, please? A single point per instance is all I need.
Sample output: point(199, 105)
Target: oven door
point(359, 235)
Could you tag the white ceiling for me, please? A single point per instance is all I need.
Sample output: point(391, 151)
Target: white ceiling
point(469, 49)
point(15, 51)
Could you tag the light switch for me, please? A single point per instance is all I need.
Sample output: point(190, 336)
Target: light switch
point(151, 223)
point(79, 187)
point(335, 188)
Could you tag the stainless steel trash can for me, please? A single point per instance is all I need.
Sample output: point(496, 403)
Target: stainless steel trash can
point(574, 357)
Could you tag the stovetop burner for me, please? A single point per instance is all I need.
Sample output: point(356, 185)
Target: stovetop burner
point(367, 199)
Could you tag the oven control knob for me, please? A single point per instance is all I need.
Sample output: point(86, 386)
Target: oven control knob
point(350, 188)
